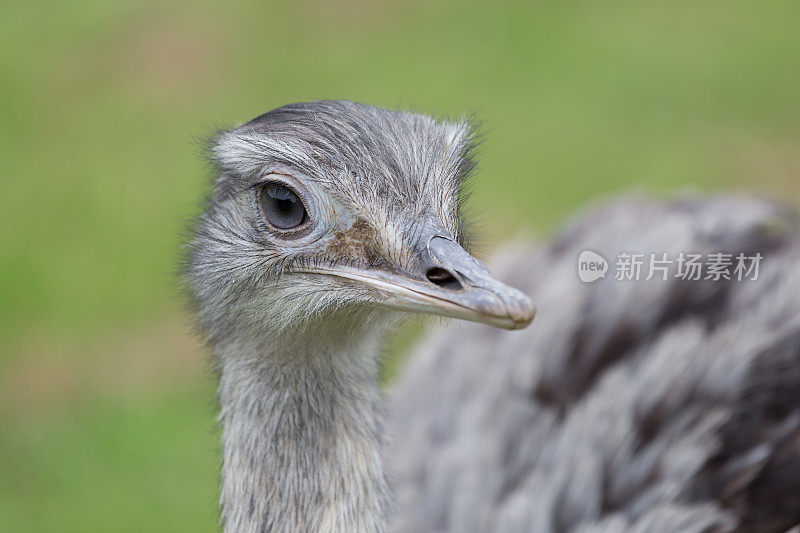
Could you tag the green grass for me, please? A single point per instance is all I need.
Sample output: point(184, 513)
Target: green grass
point(101, 104)
point(139, 465)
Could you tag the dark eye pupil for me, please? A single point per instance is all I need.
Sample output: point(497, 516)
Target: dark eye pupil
point(281, 206)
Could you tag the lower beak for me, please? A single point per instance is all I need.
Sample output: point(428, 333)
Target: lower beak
point(452, 283)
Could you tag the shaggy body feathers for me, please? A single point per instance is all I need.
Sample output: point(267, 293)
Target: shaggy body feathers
point(643, 406)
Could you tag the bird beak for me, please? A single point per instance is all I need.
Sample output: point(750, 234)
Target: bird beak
point(449, 282)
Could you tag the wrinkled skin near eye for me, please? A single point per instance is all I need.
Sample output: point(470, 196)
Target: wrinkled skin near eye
point(281, 206)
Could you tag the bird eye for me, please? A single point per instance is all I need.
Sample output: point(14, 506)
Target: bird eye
point(281, 206)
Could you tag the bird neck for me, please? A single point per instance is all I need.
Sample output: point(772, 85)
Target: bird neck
point(301, 444)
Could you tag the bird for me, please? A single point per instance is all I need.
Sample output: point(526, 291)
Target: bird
point(666, 404)
point(327, 223)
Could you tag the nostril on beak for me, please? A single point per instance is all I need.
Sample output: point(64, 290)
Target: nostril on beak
point(443, 278)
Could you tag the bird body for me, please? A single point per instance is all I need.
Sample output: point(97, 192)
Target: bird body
point(666, 405)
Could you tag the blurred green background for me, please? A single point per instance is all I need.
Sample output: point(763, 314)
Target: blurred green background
point(106, 403)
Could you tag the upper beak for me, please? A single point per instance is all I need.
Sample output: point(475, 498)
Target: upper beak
point(448, 282)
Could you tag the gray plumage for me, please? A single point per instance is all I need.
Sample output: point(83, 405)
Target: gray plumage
point(664, 406)
point(297, 350)
point(657, 406)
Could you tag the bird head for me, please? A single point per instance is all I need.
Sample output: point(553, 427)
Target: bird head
point(340, 211)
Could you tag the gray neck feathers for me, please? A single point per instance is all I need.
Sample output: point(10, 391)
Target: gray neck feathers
point(301, 449)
